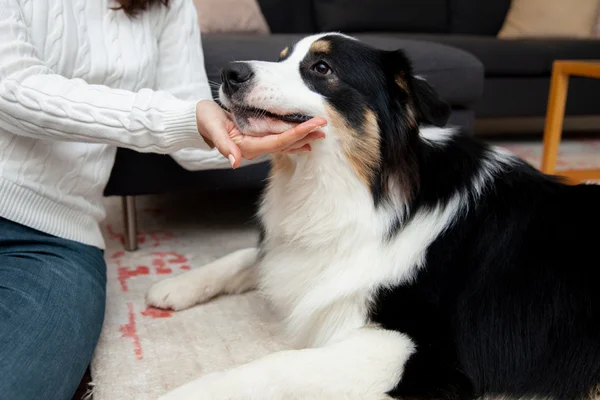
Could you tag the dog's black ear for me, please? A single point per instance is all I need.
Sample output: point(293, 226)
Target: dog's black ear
point(430, 107)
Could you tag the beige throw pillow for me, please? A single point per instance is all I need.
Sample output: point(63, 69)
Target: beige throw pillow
point(550, 18)
point(231, 16)
point(596, 31)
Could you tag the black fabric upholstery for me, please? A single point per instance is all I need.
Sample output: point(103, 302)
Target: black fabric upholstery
point(457, 75)
point(146, 173)
point(480, 17)
point(285, 16)
point(499, 57)
point(463, 119)
point(515, 57)
point(382, 15)
point(528, 97)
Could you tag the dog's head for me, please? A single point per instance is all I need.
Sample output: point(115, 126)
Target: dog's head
point(372, 101)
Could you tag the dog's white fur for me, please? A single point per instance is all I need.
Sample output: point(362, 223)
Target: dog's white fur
point(322, 261)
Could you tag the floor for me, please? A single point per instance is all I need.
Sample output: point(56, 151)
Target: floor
point(171, 223)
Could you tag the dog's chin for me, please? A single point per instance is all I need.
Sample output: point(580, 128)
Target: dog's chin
point(254, 121)
point(261, 126)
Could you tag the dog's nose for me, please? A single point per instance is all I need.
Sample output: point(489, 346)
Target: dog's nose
point(236, 74)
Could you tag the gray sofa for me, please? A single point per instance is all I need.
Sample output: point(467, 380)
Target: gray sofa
point(517, 72)
point(451, 42)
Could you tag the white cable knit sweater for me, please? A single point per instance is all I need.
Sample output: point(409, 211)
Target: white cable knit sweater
point(77, 80)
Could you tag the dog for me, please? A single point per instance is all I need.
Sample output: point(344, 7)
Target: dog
point(407, 259)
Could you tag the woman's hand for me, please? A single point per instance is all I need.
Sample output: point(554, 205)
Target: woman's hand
point(216, 127)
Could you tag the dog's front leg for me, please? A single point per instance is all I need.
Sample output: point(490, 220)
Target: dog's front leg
point(365, 365)
point(232, 274)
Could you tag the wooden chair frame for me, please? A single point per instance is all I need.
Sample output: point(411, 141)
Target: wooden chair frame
point(557, 99)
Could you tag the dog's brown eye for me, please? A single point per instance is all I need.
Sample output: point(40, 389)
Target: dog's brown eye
point(322, 68)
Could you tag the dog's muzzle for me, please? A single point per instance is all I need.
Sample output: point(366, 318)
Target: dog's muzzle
point(235, 76)
point(237, 81)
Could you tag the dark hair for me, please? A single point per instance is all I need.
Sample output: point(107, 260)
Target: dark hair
point(132, 7)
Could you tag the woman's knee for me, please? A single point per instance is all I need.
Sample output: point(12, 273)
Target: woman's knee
point(82, 307)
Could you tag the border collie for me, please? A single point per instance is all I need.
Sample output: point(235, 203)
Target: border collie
point(407, 260)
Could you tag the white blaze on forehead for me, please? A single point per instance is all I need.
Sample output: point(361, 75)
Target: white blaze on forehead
point(302, 48)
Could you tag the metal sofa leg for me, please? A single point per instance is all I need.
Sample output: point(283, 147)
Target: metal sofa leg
point(130, 223)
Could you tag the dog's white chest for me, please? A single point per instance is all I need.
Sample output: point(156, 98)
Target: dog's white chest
point(322, 237)
point(318, 295)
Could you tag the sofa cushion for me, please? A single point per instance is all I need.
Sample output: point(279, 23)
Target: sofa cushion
point(515, 57)
point(550, 18)
point(285, 16)
point(456, 74)
point(231, 16)
point(381, 15)
point(477, 17)
point(528, 97)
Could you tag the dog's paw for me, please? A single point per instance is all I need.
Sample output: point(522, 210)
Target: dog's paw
point(178, 293)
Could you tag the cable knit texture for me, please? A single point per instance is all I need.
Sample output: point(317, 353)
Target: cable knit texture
point(78, 80)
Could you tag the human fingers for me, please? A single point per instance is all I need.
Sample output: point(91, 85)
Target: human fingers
point(215, 126)
point(294, 135)
point(228, 149)
point(256, 146)
point(302, 149)
point(311, 137)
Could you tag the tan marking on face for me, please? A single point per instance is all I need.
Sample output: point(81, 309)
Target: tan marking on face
point(321, 46)
point(284, 52)
point(360, 144)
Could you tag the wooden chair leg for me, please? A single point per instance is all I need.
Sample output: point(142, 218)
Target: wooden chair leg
point(555, 115)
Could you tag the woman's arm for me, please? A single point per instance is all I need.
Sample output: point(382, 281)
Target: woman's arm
point(36, 102)
point(182, 72)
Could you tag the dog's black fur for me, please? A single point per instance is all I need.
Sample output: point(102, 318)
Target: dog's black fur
point(507, 303)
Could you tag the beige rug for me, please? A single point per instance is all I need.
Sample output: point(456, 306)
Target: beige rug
point(144, 352)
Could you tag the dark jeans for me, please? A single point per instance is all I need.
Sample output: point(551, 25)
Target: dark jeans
point(52, 301)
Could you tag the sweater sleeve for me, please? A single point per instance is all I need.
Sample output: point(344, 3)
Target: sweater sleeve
point(202, 160)
point(181, 72)
point(36, 102)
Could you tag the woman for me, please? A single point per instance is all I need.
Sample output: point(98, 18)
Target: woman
point(75, 79)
